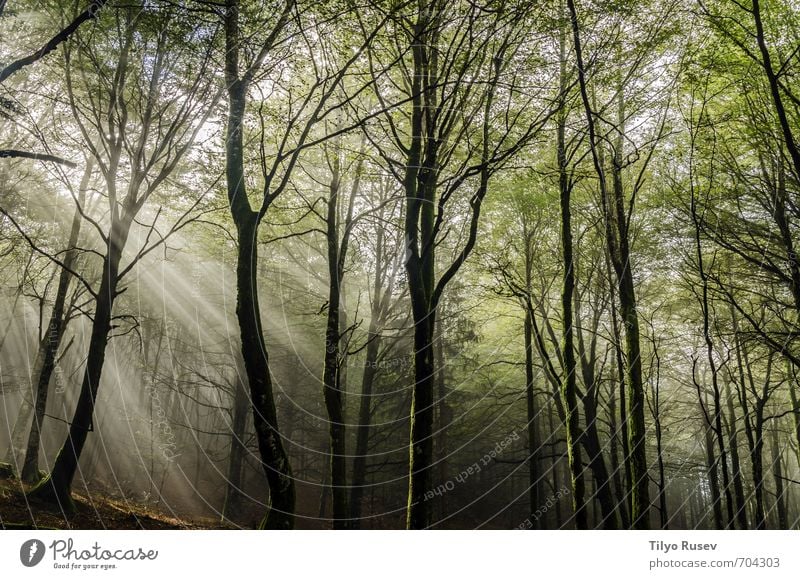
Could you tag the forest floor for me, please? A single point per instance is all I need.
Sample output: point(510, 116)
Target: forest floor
point(95, 512)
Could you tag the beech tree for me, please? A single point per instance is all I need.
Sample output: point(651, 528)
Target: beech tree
point(137, 133)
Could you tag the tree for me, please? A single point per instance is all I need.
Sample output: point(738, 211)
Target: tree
point(248, 313)
point(55, 330)
point(616, 212)
point(149, 141)
point(305, 114)
point(438, 154)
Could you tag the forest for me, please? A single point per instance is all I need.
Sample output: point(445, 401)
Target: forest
point(400, 264)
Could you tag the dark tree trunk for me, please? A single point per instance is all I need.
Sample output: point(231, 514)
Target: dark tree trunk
point(248, 310)
point(723, 454)
point(334, 369)
point(48, 349)
point(624, 505)
point(753, 420)
point(534, 443)
point(323, 497)
point(332, 392)
point(662, 483)
point(420, 190)
point(773, 78)
point(421, 454)
point(733, 444)
point(777, 475)
point(56, 487)
point(364, 423)
point(715, 420)
point(256, 362)
point(616, 225)
point(591, 435)
point(569, 384)
point(747, 418)
point(619, 489)
point(757, 453)
point(597, 463)
point(713, 478)
point(428, 133)
point(756, 458)
point(655, 409)
point(588, 438)
point(640, 494)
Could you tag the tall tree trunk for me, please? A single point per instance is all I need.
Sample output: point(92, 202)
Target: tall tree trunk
point(332, 392)
point(591, 435)
point(714, 421)
point(625, 497)
point(713, 478)
point(56, 487)
point(275, 461)
point(274, 458)
point(421, 451)
point(773, 79)
point(534, 443)
point(589, 438)
point(619, 490)
point(323, 497)
point(754, 448)
point(662, 484)
point(597, 463)
point(723, 455)
point(569, 384)
point(420, 189)
point(756, 459)
point(428, 133)
point(637, 464)
point(48, 349)
point(777, 475)
point(754, 426)
point(364, 423)
point(733, 444)
point(616, 224)
point(747, 418)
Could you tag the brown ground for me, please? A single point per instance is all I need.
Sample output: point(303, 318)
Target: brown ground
point(17, 512)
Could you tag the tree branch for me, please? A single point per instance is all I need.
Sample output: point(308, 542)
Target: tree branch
point(53, 43)
point(16, 154)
